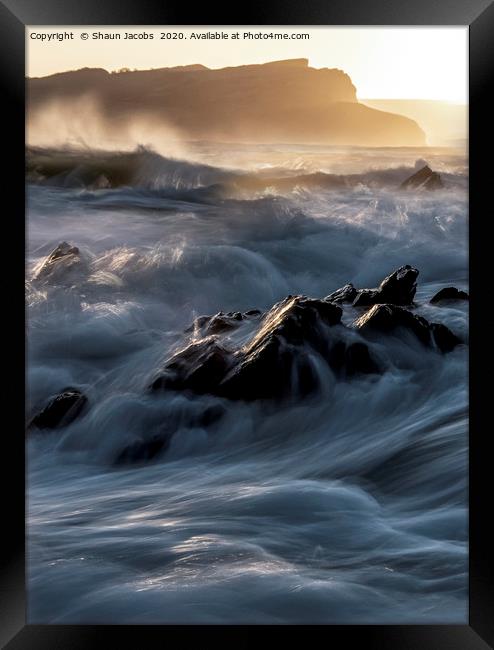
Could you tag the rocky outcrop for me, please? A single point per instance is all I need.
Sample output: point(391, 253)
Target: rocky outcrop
point(425, 178)
point(347, 293)
point(200, 368)
point(447, 294)
point(61, 410)
point(295, 339)
point(443, 337)
point(60, 264)
point(221, 323)
point(277, 362)
point(398, 288)
point(384, 319)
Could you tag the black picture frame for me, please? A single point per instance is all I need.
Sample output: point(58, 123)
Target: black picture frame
point(14, 16)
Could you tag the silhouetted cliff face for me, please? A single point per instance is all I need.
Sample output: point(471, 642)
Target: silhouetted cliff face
point(283, 101)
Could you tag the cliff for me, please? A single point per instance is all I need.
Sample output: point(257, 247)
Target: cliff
point(281, 101)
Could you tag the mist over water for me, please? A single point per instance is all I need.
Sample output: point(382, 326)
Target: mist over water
point(347, 507)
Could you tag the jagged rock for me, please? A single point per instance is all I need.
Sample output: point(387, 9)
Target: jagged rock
point(276, 362)
point(443, 337)
point(199, 367)
point(266, 366)
point(387, 318)
point(398, 288)
point(425, 178)
point(359, 361)
point(448, 293)
point(352, 359)
point(220, 322)
point(62, 261)
point(61, 410)
point(367, 297)
point(346, 293)
point(271, 363)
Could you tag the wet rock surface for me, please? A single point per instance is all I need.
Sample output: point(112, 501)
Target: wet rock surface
point(200, 367)
point(443, 337)
point(295, 338)
point(221, 322)
point(276, 362)
point(61, 410)
point(388, 318)
point(424, 178)
point(60, 263)
point(347, 294)
point(398, 288)
point(448, 294)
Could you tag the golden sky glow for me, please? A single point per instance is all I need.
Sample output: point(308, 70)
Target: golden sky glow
point(383, 62)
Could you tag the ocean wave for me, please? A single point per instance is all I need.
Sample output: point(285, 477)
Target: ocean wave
point(348, 506)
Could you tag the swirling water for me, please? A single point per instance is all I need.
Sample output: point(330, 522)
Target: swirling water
point(347, 507)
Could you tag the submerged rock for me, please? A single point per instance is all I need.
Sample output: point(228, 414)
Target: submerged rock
point(398, 288)
point(448, 293)
point(387, 318)
point(143, 450)
point(350, 359)
point(62, 261)
point(424, 178)
point(61, 410)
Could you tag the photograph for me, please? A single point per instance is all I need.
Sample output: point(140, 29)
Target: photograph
point(247, 325)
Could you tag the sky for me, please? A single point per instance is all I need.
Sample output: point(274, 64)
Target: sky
point(383, 62)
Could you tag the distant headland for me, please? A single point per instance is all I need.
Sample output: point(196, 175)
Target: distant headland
point(280, 101)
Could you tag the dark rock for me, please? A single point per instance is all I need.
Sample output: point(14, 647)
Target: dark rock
point(210, 416)
point(275, 362)
point(271, 370)
point(351, 359)
point(296, 320)
point(220, 322)
point(62, 260)
point(367, 297)
point(443, 337)
point(449, 293)
point(199, 367)
point(143, 450)
point(346, 293)
point(423, 178)
point(269, 366)
point(387, 318)
point(398, 288)
point(61, 410)
point(359, 361)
